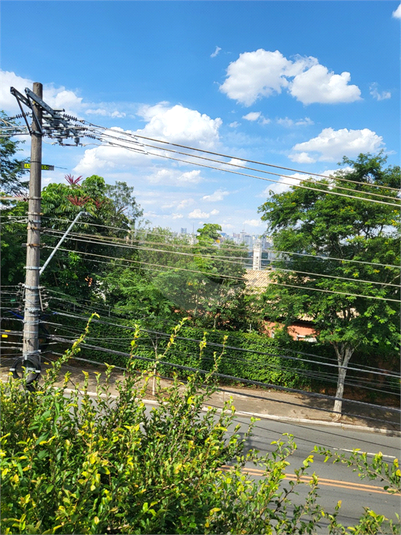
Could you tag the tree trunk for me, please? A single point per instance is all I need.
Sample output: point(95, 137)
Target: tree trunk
point(344, 355)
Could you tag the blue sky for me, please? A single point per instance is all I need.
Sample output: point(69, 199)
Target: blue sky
point(293, 83)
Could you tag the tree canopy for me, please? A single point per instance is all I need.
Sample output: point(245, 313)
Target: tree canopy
point(11, 167)
point(202, 280)
point(338, 258)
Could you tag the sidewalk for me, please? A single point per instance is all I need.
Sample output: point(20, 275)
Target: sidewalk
point(270, 404)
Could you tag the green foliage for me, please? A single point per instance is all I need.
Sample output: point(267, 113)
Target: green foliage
point(112, 211)
point(388, 474)
point(11, 168)
point(328, 286)
point(72, 463)
point(248, 355)
point(170, 274)
point(376, 468)
point(13, 236)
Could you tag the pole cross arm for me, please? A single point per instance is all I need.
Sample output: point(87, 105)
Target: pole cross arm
point(39, 101)
point(54, 123)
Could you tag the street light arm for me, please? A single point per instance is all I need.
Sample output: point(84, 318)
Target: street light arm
point(61, 241)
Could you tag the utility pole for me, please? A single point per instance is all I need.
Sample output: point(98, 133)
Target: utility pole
point(30, 345)
point(55, 124)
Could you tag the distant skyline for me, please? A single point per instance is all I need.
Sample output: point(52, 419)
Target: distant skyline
point(294, 84)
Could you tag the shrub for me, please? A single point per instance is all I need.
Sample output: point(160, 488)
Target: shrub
point(76, 464)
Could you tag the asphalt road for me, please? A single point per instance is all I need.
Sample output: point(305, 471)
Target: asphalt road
point(336, 481)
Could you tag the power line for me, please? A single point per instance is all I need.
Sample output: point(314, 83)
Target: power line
point(229, 347)
point(226, 259)
point(246, 381)
point(230, 277)
point(114, 143)
point(328, 377)
point(235, 248)
point(173, 323)
point(253, 363)
point(323, 431)
point(222, 259)
point(246, 160)
point(320, 190)
point(339, 259)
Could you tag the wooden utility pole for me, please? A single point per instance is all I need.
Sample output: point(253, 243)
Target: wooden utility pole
point(30, 346)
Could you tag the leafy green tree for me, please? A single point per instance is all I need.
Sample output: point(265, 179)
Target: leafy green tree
point(13, 237)
point(340, 266)
point(13, 230)
point(11, 168)
point(171, 275)
point(112, 213)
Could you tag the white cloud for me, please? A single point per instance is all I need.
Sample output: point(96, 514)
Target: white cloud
point(374, 91)
point(105, 112)
point(283, 184)
point(56, 97)
point(176, 124)
point(286, 181)
point(8, 102)
point(318, 85)
point(254, 75)
point(214, 54)
point(105, 158)
point(235, 124)
point(198, 214)
point(256, 116)
point(397, 12)
point(218, 195)
point(184, 203)
point(331, 145)
point(238, 163)
point(252, 116)
point(264, 73)
point(190, 176)
point(62, 98)
point(180, 125)
point(254, 223)
point(174, 177)
point(307, 121)
point(177, 216)
point(302, 157)
point(288, 123)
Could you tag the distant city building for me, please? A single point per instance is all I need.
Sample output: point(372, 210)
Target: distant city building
point(257, 255)
point(183, 231)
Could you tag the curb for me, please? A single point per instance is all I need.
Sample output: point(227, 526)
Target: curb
point(380, 430)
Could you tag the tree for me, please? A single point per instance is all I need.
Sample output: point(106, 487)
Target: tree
point(11, 168)
point(113, 214)
point(341, 255)
point(223, 265)
point(112, 210)
point(13, 236)
point(172, 275)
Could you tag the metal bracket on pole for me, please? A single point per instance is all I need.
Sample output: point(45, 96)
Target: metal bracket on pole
point(20, 98)
point(61, 241)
